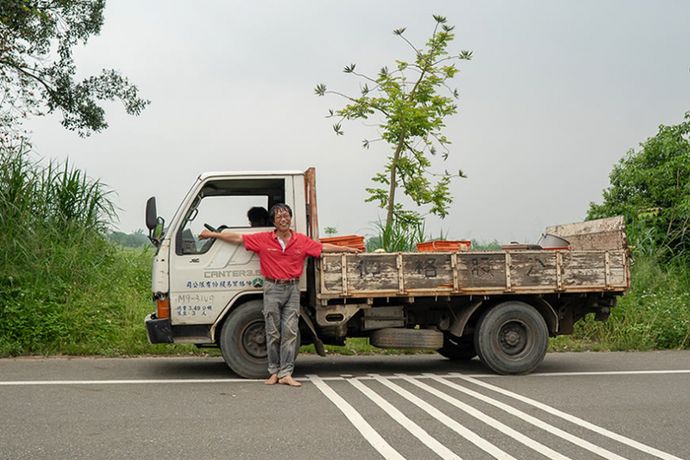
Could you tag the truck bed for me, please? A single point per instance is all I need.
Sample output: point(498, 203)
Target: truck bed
point(597, 262)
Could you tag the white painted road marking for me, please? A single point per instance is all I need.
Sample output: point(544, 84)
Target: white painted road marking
point(451, 375)
point(492, 422)
point(576, 420)
point(470, 435)
point(421, 434)
point(530, 419)
point(371, 435)
point(120, 382)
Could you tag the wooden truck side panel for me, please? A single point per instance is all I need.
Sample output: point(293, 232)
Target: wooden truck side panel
point(472, 273)
point(597, 262)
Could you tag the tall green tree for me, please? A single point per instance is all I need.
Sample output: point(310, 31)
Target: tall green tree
point(37, 71)
point(651, 188)
point(410, 110)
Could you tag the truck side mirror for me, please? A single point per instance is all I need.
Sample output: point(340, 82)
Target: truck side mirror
point(151, 214)
point(154, 223)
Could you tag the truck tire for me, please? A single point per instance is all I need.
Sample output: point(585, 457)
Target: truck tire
point(394, 337)
point(511, 338)
point(243, 341)
point(457, 348)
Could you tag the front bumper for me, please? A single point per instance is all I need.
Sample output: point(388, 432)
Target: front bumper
point(158, 330)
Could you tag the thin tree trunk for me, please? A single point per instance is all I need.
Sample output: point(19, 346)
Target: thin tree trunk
point(394, 180)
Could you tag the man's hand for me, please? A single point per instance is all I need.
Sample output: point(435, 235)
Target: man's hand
point(205, 234)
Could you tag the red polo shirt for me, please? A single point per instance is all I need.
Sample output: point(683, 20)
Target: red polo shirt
point(276, 263)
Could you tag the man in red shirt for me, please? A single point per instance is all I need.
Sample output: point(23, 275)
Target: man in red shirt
point(281, 257)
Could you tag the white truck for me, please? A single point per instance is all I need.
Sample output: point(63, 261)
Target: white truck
point(499, 305)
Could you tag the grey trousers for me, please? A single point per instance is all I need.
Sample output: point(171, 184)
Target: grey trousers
point(281, 312)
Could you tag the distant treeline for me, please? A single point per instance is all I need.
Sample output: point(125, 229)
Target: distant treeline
point(130, 240)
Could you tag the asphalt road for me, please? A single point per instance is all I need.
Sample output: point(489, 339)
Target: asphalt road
point(577, 405)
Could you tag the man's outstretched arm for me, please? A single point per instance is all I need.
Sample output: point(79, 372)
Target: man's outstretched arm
point(328, 247)
point(228, 237)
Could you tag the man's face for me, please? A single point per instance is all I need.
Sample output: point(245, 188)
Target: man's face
point(282, 220)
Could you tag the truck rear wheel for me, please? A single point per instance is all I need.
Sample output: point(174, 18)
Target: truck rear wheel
point(243, 341)
point(511, 338)
point(457, 348)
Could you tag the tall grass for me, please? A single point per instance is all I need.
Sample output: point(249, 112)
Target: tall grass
point(397, 237)
point(654, 314)
point(63, 287)
point(51, 251)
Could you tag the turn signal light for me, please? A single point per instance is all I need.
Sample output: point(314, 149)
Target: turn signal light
point(162, 308)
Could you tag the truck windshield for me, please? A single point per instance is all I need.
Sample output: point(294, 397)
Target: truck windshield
point(226, 204)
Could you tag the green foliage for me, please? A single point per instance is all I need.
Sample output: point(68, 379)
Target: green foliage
point(37, 71)
point(53, 197)
point(486, 245)
point(63, 287)
point(330, 231)
point(138, 239)
point(651, 188)
point(410, 113)
point(50, 247)
point(399, 237)
point(654, 314)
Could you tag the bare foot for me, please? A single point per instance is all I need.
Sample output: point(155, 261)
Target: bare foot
point(288, 380)
point(272, 380)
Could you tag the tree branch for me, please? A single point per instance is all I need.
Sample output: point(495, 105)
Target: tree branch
point(21, 69)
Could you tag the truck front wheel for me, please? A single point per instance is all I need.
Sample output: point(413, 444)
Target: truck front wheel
point(511, 338)
point(243, 341)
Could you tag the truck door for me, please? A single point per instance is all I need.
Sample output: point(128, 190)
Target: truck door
point(205, 275)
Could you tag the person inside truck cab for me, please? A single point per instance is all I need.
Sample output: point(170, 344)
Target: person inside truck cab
point(281, 258)
point(258, 216)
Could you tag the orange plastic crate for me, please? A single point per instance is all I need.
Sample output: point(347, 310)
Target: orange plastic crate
point(444, 245)
point(350, 241)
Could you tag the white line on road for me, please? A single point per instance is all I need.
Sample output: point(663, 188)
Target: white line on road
point(120, 382)
point(238, 380)
point(573, 419)
point(531, 420)
point(471, 436)
point(371, 435)
point(575, 374)
point(147, 381)
point(421, 434)
point(492, 422)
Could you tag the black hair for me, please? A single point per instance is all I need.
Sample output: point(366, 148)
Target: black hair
point(258, 216)
point(277, 207)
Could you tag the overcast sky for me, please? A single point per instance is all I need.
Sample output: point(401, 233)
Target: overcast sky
point(556, 93)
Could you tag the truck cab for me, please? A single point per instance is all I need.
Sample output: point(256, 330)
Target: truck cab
point(196, 283)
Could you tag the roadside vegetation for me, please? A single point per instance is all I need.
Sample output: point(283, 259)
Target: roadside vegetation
point(70, 286)
point(64, 287)
point(651, 188)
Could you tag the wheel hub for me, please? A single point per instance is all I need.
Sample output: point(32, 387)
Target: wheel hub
point(254, 339)
point(513, 338)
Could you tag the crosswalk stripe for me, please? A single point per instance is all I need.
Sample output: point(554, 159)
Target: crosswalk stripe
point(371, 435)
point(421, 434)
point(532, 420)
point(573, 419)
point(505, 429)
point(471, 436)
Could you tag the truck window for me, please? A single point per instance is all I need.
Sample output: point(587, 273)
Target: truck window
point(224, 204)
